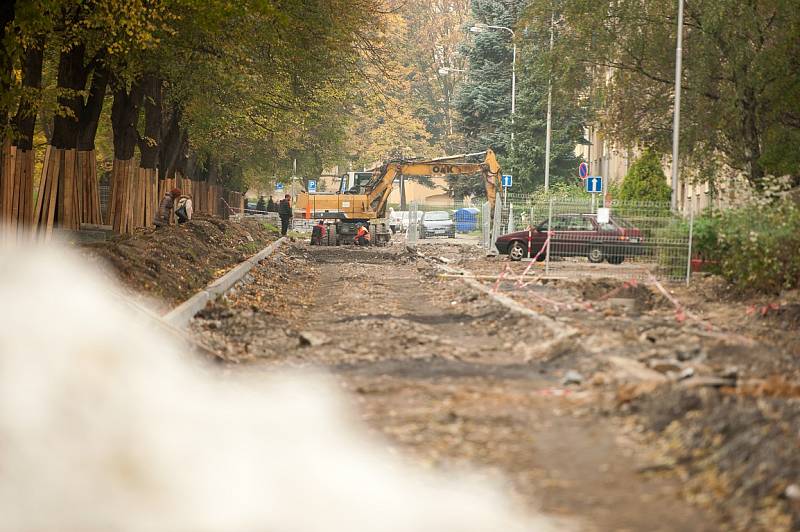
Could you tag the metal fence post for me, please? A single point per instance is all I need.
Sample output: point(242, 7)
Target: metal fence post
point(411, 232)
point(510, 228)
point(689, 254)
point(549, 229)
point(486, 225)
point(496, 223)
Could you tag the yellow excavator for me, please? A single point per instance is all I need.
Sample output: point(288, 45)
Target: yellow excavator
point(365, 200)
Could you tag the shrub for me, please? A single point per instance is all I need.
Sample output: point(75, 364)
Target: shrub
point(645, 181)
point(705, 237)
point(759, 247)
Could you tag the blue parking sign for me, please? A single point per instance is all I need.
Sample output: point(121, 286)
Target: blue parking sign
point(278, 186)
point(506, 181)
point(312, 186)
point(594, 184)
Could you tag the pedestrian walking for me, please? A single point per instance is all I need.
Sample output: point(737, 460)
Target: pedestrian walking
point(165, 207)
point(285, 213)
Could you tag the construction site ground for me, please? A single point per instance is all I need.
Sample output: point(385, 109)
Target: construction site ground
point(606, 405)
point(168, 265)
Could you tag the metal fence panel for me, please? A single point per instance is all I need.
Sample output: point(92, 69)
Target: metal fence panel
point(641, 238)
point(486, 226)
point(413, 226)
point(627, 240)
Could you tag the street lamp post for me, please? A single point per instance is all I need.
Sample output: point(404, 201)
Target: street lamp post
point(676, 120)
point(480, 27)
point(549, 116)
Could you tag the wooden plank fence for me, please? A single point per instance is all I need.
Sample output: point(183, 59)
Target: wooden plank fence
point(68, 193)
point(16, 189)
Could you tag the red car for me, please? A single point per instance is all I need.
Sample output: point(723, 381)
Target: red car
point(577, 235)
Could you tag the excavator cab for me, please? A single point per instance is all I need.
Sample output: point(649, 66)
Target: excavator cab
point(354, 182)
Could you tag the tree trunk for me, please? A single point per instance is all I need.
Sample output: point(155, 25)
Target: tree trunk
point(59, 201)
point(72, 76)
point(146, 185)
point(16, 194)
point(6, 75)
point(150, 143)
point(751, 138)
point(172, 146)
point(25, 119)
point(89, 117)
point(6, 16)
point(88, 121)
point(124, 117)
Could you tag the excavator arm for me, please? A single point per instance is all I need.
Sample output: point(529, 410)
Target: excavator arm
point(378, 195)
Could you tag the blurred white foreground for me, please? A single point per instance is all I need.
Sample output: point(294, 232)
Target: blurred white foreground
point(106, 425)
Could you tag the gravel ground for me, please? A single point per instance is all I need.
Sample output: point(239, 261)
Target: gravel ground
point(725, 409)
point(454, 379)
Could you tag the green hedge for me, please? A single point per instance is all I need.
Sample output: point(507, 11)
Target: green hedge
point(756, 248)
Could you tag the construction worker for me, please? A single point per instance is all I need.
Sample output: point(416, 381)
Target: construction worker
point(184, 209)
point(165, 207)
point(362, 236)
point(285, 213)
point(318, 233)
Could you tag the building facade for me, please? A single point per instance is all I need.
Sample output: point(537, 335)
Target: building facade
point(613, 162)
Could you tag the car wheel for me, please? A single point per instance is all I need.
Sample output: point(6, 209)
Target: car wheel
point(517, 251)
point(596, 254)
point(615, 260)
point(452, 235)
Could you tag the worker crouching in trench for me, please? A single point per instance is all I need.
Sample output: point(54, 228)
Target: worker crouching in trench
point(318, 233)
point(165, 208)
point(362, 237)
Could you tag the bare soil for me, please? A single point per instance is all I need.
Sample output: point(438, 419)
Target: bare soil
point(727, 414)
point(171, 263)
point(443, 373)
point(647, 417)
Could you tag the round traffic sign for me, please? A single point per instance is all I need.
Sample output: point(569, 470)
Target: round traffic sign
point(583, 170)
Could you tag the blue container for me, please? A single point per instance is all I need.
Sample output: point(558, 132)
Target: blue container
point(466, 219)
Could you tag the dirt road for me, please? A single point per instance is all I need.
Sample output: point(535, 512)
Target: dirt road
point(442, 371)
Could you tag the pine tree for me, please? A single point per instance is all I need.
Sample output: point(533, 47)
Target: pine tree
point(530, 127)
point(484, 101)
point(645, 181)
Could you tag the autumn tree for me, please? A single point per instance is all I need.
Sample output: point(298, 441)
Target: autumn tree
point(741, 81)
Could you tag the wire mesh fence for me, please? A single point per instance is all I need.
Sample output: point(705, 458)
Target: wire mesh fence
point(576, 237)
point(462, 220)
point(631, 240)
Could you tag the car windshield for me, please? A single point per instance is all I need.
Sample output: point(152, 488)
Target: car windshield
point(622, 223)
point(437, 216)
point(569, 223)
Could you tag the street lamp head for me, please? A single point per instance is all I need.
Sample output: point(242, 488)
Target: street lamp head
point(479, 27)
point(444, 71)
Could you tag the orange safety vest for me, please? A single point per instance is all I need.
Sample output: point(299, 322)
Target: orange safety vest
point(362, 232)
